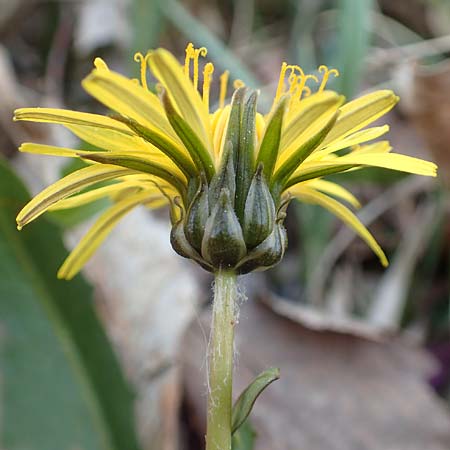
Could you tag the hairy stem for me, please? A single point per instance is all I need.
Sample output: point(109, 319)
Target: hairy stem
point(218, 433)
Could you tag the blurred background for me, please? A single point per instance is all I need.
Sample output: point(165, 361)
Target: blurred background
point(115, 359)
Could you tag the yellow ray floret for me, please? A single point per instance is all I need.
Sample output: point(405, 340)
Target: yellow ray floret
point(129, 99)
point(330, 188)
point(112, 191)
point(311, 196)
point(101, 228)
point(68, 185)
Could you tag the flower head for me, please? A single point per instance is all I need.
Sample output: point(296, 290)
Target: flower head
point(227, 173)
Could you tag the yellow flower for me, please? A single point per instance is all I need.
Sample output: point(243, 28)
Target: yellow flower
point(166, 148)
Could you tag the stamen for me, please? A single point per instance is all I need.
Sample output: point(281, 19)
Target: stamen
point(307, 91)
point(202, 51)
point(294, 80)
point(223, 88)
point(143, 60)
point(189, 56)
point(302, 85)
point(238, 84)
point(100, 64)
point(280, 87)
point(326, 74)
point(207, 78)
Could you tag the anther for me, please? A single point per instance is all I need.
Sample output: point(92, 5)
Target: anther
point(326, 74)
point(238, 84)
point(207, 78)
point(143, 60)
point(223, 88)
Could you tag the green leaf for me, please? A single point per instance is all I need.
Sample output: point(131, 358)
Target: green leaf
point(353, 42)
point(244, 438)
point(247, 399)
point(62, 387)
point(147, 25)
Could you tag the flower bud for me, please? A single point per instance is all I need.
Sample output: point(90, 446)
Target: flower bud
point(223, 245)
point(231, 219)
point(196, 217)
point(267, 254)
point(179, 242)
point(259, 211)
point(181, 245)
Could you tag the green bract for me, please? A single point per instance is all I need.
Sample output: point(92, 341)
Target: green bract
point(232, 220)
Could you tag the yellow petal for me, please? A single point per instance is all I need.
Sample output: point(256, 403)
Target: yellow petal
point(354, 139)
point(129, 99)
point(182, 93)
point(100, 230)
point(313, 129)
point(68, 117)
point(361, 112)
point(97, 130)
point(147, 155)
point(96, 194)
point(393, 161)
point(328, 188)
point(219, 133)
point(310, 110)
point(377, 156)
point(376, 147)
point(339, 210)
point(110, 140)
point(50, 150)
point(158, 166)
point(317, 169)
point(68, 185)
point(260, 126)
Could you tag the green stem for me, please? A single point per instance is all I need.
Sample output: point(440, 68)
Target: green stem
point(218, 432)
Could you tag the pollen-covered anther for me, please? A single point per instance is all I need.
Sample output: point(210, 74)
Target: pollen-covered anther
point(326, 75)
point(143, 61)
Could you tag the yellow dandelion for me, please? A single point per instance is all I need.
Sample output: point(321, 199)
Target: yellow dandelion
point(226, 173)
